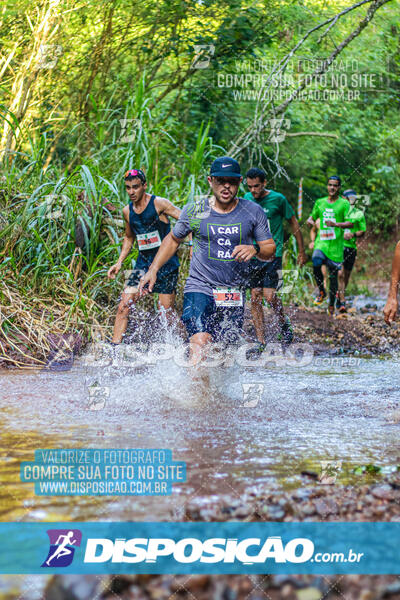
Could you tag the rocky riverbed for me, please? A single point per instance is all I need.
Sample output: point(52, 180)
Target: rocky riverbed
point(377, 501)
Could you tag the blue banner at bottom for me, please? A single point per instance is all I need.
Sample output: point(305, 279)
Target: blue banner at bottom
point(212, 548)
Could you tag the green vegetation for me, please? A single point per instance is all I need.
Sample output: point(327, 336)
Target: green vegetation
point(91, 89)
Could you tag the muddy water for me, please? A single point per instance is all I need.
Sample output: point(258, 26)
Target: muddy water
point(329, 409)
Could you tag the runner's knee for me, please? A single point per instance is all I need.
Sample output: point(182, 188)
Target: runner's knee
point(269, 295)
point(166, 302)
point(200, 339)
point(256, 296)
point(124, 306)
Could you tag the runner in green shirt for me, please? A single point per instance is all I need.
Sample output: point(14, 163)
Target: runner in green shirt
point(356, 216)
point(264, 278)
point(332, 212)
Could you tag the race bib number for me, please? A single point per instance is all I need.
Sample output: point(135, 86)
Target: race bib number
point(327, 234)
point(148, 241)
point(228, 297)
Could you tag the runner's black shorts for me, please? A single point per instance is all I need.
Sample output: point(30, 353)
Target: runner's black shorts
point(319, 259)
point(265, 274)
point(165, 284)
point(201, 315)
point(349, 258)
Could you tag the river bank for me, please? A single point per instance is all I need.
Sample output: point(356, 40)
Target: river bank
point(360, 332)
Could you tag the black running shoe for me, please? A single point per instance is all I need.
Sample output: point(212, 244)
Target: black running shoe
point(255, 352)
point(286, 334)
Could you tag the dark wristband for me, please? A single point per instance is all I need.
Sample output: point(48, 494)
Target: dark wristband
point(257, 247)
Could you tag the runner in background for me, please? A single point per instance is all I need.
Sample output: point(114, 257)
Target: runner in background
point(227, 233)
point(313, 235)
point(266, 275)
point(146, 220)
point(332, 212)
point(392, 304)
point(356, 216)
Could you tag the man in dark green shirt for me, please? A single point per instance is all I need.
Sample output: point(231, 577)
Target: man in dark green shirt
point(265, 275)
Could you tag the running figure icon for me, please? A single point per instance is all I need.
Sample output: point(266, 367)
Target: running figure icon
point(62, 549)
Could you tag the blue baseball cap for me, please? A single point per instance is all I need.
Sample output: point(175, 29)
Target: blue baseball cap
point(225, 167)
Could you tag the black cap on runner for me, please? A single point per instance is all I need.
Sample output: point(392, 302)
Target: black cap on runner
point(225, 167)
point(348, 193)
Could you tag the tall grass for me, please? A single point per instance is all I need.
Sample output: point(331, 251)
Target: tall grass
point(50, 286)
point(41, 201)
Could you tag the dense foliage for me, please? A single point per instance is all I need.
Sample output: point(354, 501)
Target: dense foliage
point(91, 88)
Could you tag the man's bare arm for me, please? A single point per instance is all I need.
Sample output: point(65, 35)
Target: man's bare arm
point(390, 310)
point(127, 242)
point(245, 252)
point(345, 225)
point(302, 258)
point(267, 249)
point(166, 207)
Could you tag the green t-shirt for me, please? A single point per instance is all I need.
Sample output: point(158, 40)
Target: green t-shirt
point(276, 208)
point(356, 216)
point(330, 239)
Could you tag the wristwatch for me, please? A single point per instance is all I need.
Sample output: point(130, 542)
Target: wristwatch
point(257, 247)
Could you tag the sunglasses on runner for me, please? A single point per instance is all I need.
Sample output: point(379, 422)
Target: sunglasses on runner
point(136, 173)
point(230, 180)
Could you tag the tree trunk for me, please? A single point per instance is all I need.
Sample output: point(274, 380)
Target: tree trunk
point(25, 82)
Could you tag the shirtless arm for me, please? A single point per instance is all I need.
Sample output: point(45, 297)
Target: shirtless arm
point(127, 243)
point(301, 258)
point(165, 207)
point(390, 310)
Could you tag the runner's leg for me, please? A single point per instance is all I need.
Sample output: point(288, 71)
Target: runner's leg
point(342, 285)
point(167, 302)
point(285, 326)
point(121, 319)
point(198, 317)
point(165, 287)
point(317, 261)
point(319, 278)
point(346, 277)
point(333, 283)
point(257, 314)
point(276, 303)
point(349, 258)
point(198, 347)
point(325, 275)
